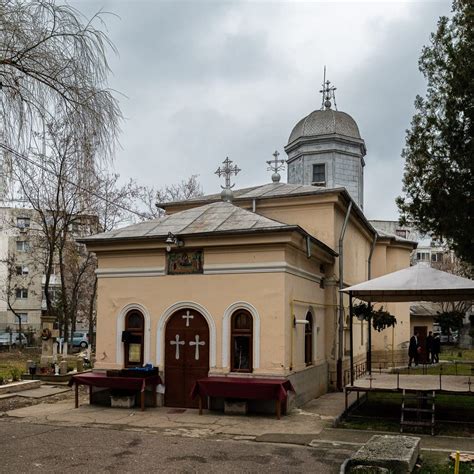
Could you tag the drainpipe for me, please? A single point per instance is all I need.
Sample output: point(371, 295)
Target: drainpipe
point(369, 276)
point(254, 205)
point(341, 299)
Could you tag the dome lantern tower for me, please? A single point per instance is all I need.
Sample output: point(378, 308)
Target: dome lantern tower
point(325, 149)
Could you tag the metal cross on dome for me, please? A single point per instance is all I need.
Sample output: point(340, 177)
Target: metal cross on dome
point(328, 92)
point(227, 171)
point(275, 166)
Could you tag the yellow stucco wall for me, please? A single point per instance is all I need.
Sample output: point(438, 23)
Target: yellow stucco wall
point(276, 295)
point(268, 292)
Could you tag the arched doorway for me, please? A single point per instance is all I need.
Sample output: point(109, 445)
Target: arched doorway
point(186, 356)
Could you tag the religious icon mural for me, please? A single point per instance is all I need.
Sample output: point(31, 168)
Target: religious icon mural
point(181, 262)
point(186, 356)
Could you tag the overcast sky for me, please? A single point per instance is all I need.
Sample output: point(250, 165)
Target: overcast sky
point(206, 80)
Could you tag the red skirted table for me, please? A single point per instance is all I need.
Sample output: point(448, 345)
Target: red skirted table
point(97, 379)
point(244, 388)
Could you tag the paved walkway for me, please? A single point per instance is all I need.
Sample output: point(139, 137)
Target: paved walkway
point(310, 426)
point(307, 422)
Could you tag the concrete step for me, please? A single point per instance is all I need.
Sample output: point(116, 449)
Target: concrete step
point(19, 386)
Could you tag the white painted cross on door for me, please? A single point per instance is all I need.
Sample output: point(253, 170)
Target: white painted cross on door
point(197, 343)
point(177, 343)
point(187, 317)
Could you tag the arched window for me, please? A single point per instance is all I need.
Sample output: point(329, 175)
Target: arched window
point(133, 338)
point(241, 341)
point(308, 339)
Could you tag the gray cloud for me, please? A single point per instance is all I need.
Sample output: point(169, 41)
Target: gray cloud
point(206, 80)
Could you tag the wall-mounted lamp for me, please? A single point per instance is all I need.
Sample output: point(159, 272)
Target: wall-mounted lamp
point(299, 321)
point(172, 240)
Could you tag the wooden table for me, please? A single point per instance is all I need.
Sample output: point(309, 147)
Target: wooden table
point(99, 379)
point(243, 388)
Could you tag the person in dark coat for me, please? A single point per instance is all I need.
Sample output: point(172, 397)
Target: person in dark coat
point(436, 348)
point(429, 347)
point(413, 350)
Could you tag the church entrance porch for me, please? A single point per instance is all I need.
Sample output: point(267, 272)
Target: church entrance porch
point(186, 356)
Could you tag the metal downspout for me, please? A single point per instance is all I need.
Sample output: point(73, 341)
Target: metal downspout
point(341, 299)
point(369, 276)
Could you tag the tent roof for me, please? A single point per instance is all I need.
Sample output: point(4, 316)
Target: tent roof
point(417, 283)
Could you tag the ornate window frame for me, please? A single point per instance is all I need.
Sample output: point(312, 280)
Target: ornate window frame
point(119, 353)
point(226, 330)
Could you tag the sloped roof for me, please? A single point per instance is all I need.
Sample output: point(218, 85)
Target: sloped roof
point(213, 217)
point(263, 191)
point(418, 283)
point(395, 237)
point(217, 217)
point(425, 308)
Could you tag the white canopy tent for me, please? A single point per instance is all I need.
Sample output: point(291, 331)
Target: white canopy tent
point(417, 283)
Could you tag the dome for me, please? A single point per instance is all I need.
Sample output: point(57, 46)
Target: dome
point(325, 122)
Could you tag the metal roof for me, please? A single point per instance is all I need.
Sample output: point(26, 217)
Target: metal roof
point(395, 237)
point(263, 191)
point(418, 283)
point(211, 219)
point(325, 122)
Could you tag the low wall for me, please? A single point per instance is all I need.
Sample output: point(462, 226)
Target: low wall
point(309, 383)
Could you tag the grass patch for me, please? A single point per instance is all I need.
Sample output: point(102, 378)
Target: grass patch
point(439, 463)
point(14, 361)
point(381, 412)
point(450, 368)
point(452, 353)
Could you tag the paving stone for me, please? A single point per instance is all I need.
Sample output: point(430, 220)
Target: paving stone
point(396, 453)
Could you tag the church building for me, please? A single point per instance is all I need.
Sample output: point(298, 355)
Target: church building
point(246, 283)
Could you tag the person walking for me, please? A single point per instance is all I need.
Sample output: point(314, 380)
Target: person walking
point(413, 350)
point(436, 348)
point(429, 347)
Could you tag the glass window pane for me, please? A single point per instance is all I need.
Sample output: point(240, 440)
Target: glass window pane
point(241, 353)
point(319, 173)
point(135, 321)
point(242, 321)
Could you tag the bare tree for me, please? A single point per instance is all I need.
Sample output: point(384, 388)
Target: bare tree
point(53, 66)
point(150, 198)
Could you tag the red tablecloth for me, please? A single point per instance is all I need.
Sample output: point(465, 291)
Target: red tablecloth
point(96, 379)
point(236, 387)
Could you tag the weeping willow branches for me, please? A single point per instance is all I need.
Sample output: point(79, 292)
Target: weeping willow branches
point(53, 69)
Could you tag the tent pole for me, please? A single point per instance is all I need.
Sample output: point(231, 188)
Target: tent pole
point(369, 341)
point(369, 276)
point(351, 333)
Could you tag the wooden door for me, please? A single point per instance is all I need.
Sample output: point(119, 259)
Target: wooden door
point(422, 333)
point(186, 356)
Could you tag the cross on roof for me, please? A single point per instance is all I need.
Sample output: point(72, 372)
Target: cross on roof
point(227, 171)
point(328, 93)
point(276, 165)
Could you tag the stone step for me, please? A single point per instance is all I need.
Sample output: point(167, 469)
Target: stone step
point(420, 410)
point(416, 423)
point(19, 386)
